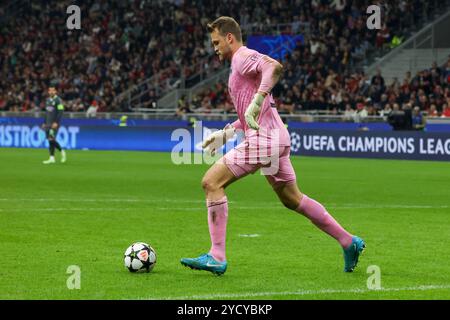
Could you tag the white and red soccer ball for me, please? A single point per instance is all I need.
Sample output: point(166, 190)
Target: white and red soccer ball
point(140, 257)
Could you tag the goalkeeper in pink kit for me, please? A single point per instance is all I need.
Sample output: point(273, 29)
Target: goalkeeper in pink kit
point(266, 146)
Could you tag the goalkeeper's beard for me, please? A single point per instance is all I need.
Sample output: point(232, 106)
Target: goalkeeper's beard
point(224, 56)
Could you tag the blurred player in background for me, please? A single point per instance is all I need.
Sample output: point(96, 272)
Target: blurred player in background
point(252, 77)
point(54, 111)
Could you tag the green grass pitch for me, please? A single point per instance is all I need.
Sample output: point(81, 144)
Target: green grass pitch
point(88, 211)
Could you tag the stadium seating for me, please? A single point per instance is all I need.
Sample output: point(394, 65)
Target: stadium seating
point(342, 94)
point(121, 44)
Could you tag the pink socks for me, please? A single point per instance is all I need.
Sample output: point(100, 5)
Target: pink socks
point(217, 221)
point(315, 212)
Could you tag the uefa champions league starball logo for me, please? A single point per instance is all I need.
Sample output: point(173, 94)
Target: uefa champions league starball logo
point(295, 141)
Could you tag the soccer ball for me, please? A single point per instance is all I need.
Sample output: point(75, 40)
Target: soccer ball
point(140, 257)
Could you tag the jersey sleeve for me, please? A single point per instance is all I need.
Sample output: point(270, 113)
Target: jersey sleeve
point(59, 110)
point(59, 104)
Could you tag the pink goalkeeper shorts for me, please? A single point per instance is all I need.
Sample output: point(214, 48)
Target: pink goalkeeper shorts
point(274, 163)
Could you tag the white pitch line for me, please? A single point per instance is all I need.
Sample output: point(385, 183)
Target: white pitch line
point(65, 209)
point(391, 206)
point(102, 209)
point(104, 200)
point(269, 205)
point(301, 293)
point(266, 205)
point(202, 208)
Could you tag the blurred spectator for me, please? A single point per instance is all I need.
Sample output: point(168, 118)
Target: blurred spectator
point(432, 112)
point(383, 37)
point(78, 106)
point(92, 110)
point(183, 107)
point(349, 113)
point(398, 119)
point(361, 113)
point(286, 104)
point(418, 119)
point(445, 111)
point(387, 110)
point(2, 102)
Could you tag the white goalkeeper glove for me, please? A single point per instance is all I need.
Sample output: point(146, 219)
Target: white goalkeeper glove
point(253, 109)
point(217, 139)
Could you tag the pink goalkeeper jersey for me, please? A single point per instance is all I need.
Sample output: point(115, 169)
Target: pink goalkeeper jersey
point(243, 83)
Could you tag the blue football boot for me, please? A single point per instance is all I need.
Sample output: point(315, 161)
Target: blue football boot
point(205, 262)
point(351, 254)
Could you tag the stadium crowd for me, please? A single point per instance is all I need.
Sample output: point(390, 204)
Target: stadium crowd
point(122, 43)
point(352, 94)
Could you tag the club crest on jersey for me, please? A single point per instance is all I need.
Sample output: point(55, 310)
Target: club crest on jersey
point(254, 57)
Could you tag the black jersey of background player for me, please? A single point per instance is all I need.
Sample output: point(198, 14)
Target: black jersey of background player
point(54, 110)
